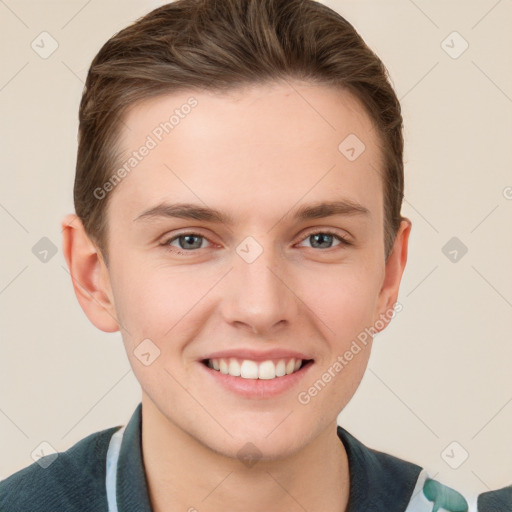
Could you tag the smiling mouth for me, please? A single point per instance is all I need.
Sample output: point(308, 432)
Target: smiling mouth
point(263, 370)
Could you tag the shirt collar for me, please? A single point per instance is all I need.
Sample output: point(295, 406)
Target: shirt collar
point(378, 481)
point(132, 489)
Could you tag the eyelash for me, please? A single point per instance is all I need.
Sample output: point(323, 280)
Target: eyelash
point(343, 241)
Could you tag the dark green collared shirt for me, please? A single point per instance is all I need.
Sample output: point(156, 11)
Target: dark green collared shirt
point(105, 473)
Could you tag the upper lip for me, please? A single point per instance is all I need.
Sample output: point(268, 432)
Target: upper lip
point(256, 355)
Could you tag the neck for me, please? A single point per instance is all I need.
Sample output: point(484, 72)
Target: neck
point(184, 474)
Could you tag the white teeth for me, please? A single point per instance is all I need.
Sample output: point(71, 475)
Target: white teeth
point(224, 367)
point(267, 370)
point(280, 368)
point(234, 368)
point(247, 369)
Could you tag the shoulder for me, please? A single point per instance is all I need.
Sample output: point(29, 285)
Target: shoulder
point(377, 479)
point(430, 494)
point(496, 501)
point(380, 481)
point(72, 480)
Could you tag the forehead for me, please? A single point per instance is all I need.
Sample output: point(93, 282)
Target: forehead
point(249, 149)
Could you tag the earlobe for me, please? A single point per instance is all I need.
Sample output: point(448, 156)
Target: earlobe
point(395, 266)
point(89, 274)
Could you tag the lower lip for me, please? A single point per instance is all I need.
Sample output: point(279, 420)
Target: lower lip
point(258, 388)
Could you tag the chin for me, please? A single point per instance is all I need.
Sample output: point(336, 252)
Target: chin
point(257, 442)
point(259, 450)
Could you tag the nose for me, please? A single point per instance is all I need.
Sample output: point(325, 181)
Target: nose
point(259, 295)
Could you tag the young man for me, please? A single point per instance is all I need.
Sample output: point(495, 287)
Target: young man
point(238, 191)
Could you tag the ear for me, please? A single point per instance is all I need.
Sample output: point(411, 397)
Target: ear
point(89, 274)
point(394, 269)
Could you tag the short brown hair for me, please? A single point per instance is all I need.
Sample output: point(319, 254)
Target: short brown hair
point(221, 45)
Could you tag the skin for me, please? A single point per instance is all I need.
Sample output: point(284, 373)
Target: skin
point(256, 154)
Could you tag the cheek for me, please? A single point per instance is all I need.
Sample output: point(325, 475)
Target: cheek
point(145, 299)
point(343, 302)
point(343, 298)
point(158, 302)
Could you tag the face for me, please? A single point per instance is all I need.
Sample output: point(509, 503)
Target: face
point(247, 239)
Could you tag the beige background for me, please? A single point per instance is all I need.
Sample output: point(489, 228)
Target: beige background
point(440, 373)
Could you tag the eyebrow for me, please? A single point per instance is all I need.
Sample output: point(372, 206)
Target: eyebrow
point(195, 212)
